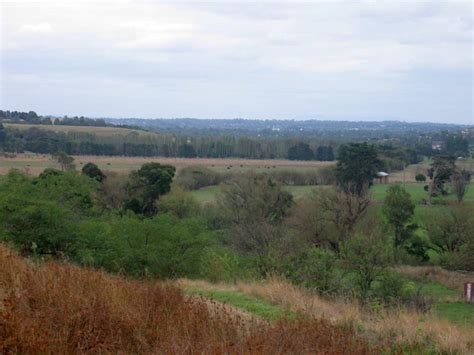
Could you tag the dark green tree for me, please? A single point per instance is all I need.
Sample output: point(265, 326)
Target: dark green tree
point(301, 151)
point(93, 171)
point(420, 178)
point(146, 185)
point(399, 210)
point(357, 166)
point(440, 172)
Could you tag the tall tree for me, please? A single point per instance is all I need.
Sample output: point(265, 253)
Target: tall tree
point(399, 209)
point(459, 180)
point(357, 167)
point(440, 172)
point(147, 184)
point(301, 151)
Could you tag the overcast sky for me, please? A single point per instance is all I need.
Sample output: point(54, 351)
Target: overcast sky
point(374, 60)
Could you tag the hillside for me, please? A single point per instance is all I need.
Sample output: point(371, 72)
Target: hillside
point(99, 131)
point(59, 308)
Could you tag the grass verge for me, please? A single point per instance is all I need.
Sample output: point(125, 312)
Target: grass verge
point(253, 305)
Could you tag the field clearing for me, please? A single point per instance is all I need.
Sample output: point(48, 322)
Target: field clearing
point(100, 131)
point(36, 163)
point(378, 191)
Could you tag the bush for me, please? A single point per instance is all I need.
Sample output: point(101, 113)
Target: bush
point(196, 177)
point(316, 269)
point(178, 203)
point(219, 265)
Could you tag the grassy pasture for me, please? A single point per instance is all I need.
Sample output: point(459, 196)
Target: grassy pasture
point(36, 163)
point(379, 192)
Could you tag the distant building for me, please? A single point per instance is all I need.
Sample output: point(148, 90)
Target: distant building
point(382, 177)
point(437, 145)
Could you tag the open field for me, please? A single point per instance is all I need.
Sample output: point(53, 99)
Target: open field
point(378, 191)
point(36, 163)
point(100, 131)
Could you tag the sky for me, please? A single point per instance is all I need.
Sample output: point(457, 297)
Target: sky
point(369, 60)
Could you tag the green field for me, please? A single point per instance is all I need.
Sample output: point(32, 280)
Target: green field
point(208, 194)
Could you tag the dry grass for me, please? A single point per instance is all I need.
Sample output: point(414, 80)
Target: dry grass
point(100, 131)
point(59, 308)
point(35, 163)
point(395, 329)
point(450, 279)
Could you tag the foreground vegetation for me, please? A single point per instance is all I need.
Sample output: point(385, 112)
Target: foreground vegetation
point(64, 309)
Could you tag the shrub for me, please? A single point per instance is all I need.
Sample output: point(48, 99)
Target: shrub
point(196, 177)
point(316, 269)
point(179, 203)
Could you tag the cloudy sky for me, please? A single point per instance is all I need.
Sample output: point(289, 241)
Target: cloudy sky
point(374, 60)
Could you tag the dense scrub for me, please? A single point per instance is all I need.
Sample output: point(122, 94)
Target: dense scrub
point(60, 308)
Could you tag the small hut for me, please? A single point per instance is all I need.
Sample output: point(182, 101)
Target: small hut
point(382, 177)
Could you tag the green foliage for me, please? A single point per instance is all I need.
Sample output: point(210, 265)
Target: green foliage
point(457, 312)
point(357, 166)
point(179, 203)
point(368, 256)
point(196, 177)
point(300, 151)
point(399, 210)
point(146, 185)
point(160, 246)
point(440, 172)
point(315, 268)
point(243, 301)
point(460, 180)
point(93, 171)
point(220, 265)
point(420, 178)
point(37, 226)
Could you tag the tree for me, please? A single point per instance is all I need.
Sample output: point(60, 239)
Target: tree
point(399, 210)
point(187, 151)
point(66, 162)
point(420, 178)
point(368, 255)
point(460, 180)
point(357, 166)
point(328, 217)
point(3, 137)
point(301, 151)
point(255, 206)
point(93, 171)
point(146, 185)
point(439, 173)
point(456, 145)
point(450, 228)
point(325, 153)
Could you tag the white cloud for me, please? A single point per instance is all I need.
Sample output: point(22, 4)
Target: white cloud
point(42, 27)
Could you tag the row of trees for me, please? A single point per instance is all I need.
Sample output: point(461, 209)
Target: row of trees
point(133, 143)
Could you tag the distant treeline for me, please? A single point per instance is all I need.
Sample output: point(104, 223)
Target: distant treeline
point(32, 117)
point(395, 151)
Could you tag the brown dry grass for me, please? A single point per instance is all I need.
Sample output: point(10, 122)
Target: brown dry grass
point(35, 163)
point(391, 329)
point(60, 308)
point(450, 279)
